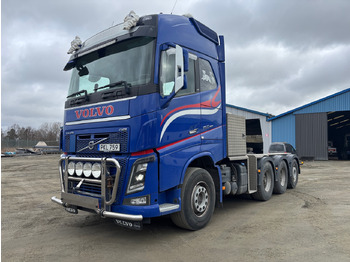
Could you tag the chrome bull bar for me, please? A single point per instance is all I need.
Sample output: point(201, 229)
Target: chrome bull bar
point(69, 199)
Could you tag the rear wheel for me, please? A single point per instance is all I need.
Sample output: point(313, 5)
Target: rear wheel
point(293, 176)
point(266, 186)
point(197, 200)
point(281, 184)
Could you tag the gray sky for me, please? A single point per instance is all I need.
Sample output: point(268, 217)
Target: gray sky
point(279, 54)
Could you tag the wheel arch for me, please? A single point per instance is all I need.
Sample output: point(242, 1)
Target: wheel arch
point(205, 160)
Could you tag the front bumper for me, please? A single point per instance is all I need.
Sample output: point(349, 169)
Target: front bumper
point(73, 199)
point(100, 212)
point(103, 199)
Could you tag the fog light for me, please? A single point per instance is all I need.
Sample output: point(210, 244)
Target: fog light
point(79, 168)
point(71, 168)
point(139, 201)
point(96, 170)
point(87, 170)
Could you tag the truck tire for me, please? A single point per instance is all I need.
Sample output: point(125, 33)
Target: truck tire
point(265, 188)
point(281, 184)
point(293, 176)
point(197, 200)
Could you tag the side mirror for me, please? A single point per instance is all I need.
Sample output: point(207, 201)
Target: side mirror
point(172, 74)
point(179, 69)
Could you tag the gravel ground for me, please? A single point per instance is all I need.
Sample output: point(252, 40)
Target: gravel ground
point(309, 223)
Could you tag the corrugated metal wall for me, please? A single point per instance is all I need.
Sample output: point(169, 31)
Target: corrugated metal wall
point(311, 135)
point(283, 129)
point(336, 103)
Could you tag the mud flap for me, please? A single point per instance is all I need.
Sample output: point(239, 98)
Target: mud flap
point(135, 225)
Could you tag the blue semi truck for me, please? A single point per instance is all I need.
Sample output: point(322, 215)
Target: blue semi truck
point(146, 132)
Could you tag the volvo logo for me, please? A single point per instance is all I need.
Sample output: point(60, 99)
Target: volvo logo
point(92, 144)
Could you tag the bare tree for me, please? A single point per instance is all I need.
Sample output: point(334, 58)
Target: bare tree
point(49, 132)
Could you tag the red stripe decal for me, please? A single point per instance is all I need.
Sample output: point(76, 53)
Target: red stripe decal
point(141, 153)
point(177, 109)
point(209, 103)
point(182, 140)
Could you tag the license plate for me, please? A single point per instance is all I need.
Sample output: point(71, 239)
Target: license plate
point(109, 147)
point(136, 225)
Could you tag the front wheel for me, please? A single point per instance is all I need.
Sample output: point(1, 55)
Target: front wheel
point(197, 200)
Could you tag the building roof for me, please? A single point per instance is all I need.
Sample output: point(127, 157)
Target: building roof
point(310, 104)
point(249, 110)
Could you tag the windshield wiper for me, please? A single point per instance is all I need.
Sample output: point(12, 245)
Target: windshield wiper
point(119, 83)
point(78, 93)
point(114, 93)
point(80, 99)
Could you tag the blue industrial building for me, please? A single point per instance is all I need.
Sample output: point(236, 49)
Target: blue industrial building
point(316, 127)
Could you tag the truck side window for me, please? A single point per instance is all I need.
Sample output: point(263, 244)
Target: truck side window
point(167, 69)
point(207, 78)
point(191, 78)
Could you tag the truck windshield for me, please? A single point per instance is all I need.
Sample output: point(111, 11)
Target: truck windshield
point(129, 61)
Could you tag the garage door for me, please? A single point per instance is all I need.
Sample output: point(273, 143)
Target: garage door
point(311, 135)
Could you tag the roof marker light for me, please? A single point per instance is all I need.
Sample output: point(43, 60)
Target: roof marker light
point(75, 45)
point(130, 20)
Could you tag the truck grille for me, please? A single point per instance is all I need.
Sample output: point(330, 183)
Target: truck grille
point(88, 143)
point(88, 189)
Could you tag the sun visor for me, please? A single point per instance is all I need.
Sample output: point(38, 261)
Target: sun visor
point(71, 64)
point(205, 31)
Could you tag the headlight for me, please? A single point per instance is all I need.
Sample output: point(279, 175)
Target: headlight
point(137, 179)
point(142, 167)
point(71, 168)
point(96, 170)
point(79, 168)
point(87, 169)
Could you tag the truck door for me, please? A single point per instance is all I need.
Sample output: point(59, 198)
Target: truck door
point(179, 120)
point(211, 104)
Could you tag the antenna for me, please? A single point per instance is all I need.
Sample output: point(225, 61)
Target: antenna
point(173, 7)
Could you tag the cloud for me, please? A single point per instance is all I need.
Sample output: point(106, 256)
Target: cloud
point(278, 79)
point(279, 54)
point(282, 54)
point(298, 24)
